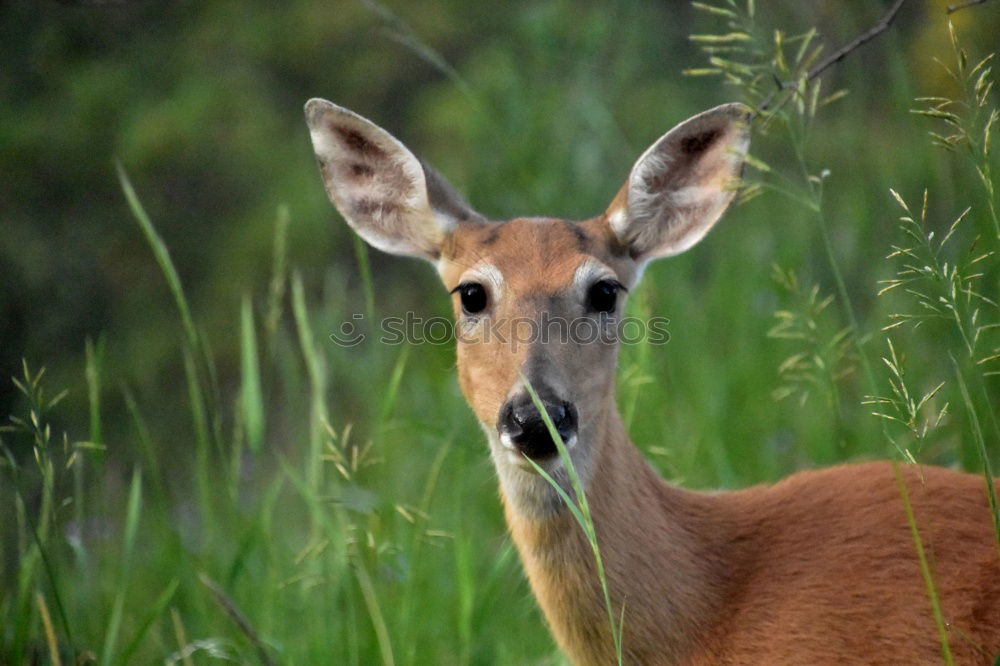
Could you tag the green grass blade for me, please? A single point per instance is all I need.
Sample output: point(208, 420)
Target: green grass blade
point(392, 390)
point(202, 375)
point(162, 255)
point(199, 378)
point(465, 585)
point(331, 522)
point(279, 277)
point(202, 443)
point(364, 267)
point(574, 509)
point(238, 617)
point(150, 460)
point(159, 608)
point(316, 369)
point(374, 611)
point(132, 512)
point(94, 356)
point(419, 526)
point(251, 397)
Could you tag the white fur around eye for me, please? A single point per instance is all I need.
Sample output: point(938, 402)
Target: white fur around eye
point(590, 272)
point(486, 274)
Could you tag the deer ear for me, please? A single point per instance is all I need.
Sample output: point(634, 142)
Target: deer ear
point(682, 184)
point(388, 196)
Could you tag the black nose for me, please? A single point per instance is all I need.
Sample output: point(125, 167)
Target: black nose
point(521, 422)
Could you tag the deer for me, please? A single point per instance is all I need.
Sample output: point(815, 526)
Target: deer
point(819, 568)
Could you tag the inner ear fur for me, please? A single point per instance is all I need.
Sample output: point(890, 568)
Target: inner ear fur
point(682, 184)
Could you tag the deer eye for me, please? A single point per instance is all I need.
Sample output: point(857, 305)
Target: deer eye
point(603, 296)
point(473, 297)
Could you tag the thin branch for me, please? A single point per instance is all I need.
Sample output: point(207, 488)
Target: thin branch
point(237, 616)
point(970, 3)
point(839, 55)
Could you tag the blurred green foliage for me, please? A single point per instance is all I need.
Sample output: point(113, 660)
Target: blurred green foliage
point(528, 108)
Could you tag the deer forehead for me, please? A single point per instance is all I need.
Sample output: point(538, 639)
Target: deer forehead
point(533, 256)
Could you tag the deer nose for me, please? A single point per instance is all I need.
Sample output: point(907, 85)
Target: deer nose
point(521, 425)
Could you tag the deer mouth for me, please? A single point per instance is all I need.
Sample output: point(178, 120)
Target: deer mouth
point(542, 451)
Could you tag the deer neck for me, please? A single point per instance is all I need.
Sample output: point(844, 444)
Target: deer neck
point(660, 559)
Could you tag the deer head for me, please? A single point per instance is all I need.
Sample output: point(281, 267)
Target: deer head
point(534, 298)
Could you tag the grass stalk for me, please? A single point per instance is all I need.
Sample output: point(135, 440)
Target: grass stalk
point(977, 431)
point(374, 611)
point(198, 366)
point(637, 371)
point(94, 355)
point(465, 583)
point(316, 370)
point(580, 511)
point(132, 513)
point(203, 456)
point(201, 367)
point(925, 569)
point(251, 395)
point(162, 255)
point(147, 447)
point(419, 524)
point(365, 269)
point(392, 389)
point(50, 633)
point(156, 611)
point(238, 617)
point(27, 567)
point(279, 274)
point(180, 635)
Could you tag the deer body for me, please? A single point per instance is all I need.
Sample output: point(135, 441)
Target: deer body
point(817, 569)
point(820, 568)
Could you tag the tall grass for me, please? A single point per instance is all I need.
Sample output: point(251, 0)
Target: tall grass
point(938, 283)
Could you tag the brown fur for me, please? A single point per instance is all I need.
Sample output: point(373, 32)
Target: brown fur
point(820, 568)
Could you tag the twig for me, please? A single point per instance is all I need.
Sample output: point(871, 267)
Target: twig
point(238, 618)
point(50, 632)
point(182, 641)
point(970, 3)
point(839, 55)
